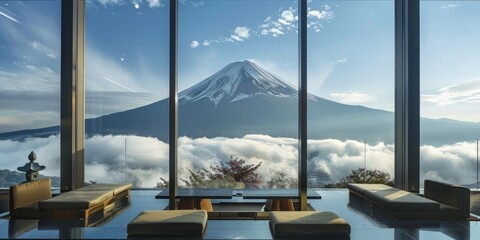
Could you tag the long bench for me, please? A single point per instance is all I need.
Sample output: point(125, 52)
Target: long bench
point(441, 201)
point(88, 204)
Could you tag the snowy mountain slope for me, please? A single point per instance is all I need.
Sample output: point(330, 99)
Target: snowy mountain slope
point(236, 81)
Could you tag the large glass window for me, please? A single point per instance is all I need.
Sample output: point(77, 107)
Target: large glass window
point(450, 91)
point(29, 88)
point(238, 97)
point(126, 88)
point(351, 92)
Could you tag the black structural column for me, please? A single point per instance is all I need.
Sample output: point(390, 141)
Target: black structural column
point(72, 125)
point(407, 95)
point(173, 134)
point(302, 120)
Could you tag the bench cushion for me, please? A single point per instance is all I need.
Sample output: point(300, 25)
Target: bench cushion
point(360, 188)
point(115, 188)
point(169, 222)
point(307, 224)
point(75, 200)
point(399, 200)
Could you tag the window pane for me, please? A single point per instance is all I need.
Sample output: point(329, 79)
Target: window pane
point(126, 53)
point(450, 90)
point(351, 87)
point(238, 100)
point(29, 88)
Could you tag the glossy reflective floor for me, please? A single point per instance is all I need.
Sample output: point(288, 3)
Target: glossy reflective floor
point(365, 223)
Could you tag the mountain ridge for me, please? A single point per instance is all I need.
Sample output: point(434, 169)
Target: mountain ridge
point(243, 98)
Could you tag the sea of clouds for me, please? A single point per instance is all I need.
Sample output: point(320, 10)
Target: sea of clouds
point(144, 160)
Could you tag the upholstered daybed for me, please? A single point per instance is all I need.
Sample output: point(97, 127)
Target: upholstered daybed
point(90, 203)
point(440, 201)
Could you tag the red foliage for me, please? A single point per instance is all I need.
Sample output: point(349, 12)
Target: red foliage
point(240, 172)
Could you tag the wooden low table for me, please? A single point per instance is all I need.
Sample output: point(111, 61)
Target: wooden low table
point(197, 198)
point(169, 224)
point(278, 199)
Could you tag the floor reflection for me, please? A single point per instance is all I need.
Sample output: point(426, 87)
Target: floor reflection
point(366, 223)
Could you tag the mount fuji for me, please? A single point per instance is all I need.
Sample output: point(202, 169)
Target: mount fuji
point(243, 98)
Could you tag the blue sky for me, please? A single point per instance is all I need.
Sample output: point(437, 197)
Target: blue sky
point(350, 53)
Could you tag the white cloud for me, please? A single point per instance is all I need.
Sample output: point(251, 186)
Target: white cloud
point(236, 38)
point(275, 32)
point(287, 17)
point(49, 52)
point(206, 43)
point(466, 92)
point(286, 22)
point(155, 3)
point(353, 97)
point(454, 163)
point(111, 2)
point(197, 3)
point(321, 15)
point(342, 60)
point(240, 33)
point(194, 44)
point(147, 158)
point(449, 6)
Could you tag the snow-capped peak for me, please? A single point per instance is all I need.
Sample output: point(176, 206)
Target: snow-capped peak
point(237, 81)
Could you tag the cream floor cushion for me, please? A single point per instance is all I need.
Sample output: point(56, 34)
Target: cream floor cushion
point(308, 224)
point(169, 222)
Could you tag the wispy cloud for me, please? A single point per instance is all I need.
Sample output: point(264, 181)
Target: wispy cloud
point(466, 92)
point(279, 25)
point(118, 84)
point(326, 13)
point(155, 3)
point(112, 2)
point(197, 3)
point(341, 60)
point(449, 6)
point(4, 12)
point(353, 97)
point(136, 3)
point(100, 64)
point(49, 52)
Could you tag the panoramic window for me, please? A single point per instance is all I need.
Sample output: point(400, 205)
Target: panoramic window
point(238, 97)
point(126, 92)
point(450, 91)
point(351, 92)
point(30, 88)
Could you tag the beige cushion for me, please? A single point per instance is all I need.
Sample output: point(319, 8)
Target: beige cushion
point(308, 224)
point(360, 188)
point(399, 200)
point(75, 200)
point(29, 193)
point(115, 188)
point(174, 222)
